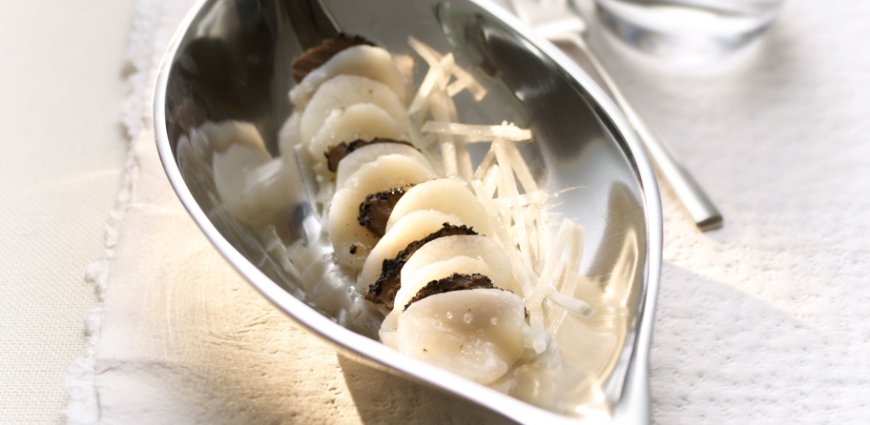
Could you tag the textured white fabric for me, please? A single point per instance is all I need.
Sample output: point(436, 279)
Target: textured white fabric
point(62, 156)
point(764, 321)
point(758, 322)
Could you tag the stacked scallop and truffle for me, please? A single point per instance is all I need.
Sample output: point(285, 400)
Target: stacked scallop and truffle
point(417, 240)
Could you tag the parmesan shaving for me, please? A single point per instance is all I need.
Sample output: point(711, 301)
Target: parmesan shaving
point(553, 263)
point(526, 199)
point(485, 165)
point(522, 169)
point(463, 157)
point(479, 133)
point(502, 238)
point(429, 81)
point(436, 76)
point(532, 211)
point(448, 146)
point(569, 285)
point(464, 80)
point(539, 334)
point(430, 55)
point(510, 184)
point(490, 182)
point(544, 240)
point(570, 304)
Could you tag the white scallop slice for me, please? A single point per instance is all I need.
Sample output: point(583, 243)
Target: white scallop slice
point(288, 136)
point(223, 134)
point(346, 233)
point(413, 227)
point(362, 121)
point(447, 195)
point(350, 164)
point(387, 332)
point(474, 246)
point(364, 61)
point(474, 333)
point(231, 166)
point(238, 149)
point(387, 172)
point(267, 191)
point(346, 90)
point(435, 271)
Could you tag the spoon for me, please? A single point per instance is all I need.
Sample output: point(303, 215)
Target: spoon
point(556, 21)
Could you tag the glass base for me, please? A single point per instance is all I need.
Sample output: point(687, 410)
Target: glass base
point(687, 30)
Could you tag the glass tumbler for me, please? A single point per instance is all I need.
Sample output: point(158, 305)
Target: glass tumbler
point(688, 28)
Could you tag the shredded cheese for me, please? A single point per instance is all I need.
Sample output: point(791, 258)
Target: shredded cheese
point(464, 79)
point(485, 165)
point(565, 296)
point(521, 168)
point(479, 133)
point(436, 77)
point(502, 238)
point(526, 199)
point(446, 141)
point(507, 189)
point(552, 264)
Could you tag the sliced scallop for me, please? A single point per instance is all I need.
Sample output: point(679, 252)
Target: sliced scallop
point(368, 154)
point(238, 149)
point(346, 90)
point(362, 121)
point(473, 246)
point(365, 61)
point(474, 333)
point(223, 134)
point(266, 192)
point(316, 56)
point(353, 242)
point(412, 284)
point(413, 227)
point(387, 332)
point(232, 165)
point(446, 195)
point(288, 136)
point(387, 172)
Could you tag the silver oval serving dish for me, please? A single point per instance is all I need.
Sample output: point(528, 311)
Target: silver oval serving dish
point(230, 60)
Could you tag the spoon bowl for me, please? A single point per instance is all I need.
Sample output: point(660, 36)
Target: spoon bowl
point(230, 60)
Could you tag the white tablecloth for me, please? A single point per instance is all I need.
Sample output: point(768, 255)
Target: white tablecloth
point(61, 87)
point(765, 320)
point(761, 321)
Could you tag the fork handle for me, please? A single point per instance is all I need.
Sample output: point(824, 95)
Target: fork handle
point(688, 191)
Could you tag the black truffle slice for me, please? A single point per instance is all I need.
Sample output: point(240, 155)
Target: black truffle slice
point(375, 211)
point(335, 153)
point(384, 290)
point(454, 282)
point(316, 56)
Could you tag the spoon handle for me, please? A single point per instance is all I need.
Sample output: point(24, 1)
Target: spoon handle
point(688, 191)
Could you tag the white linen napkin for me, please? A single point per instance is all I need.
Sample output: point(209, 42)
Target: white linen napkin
point(762, 321)
point(765, 321)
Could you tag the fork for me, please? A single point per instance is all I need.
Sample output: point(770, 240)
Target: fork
point(557, 21)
